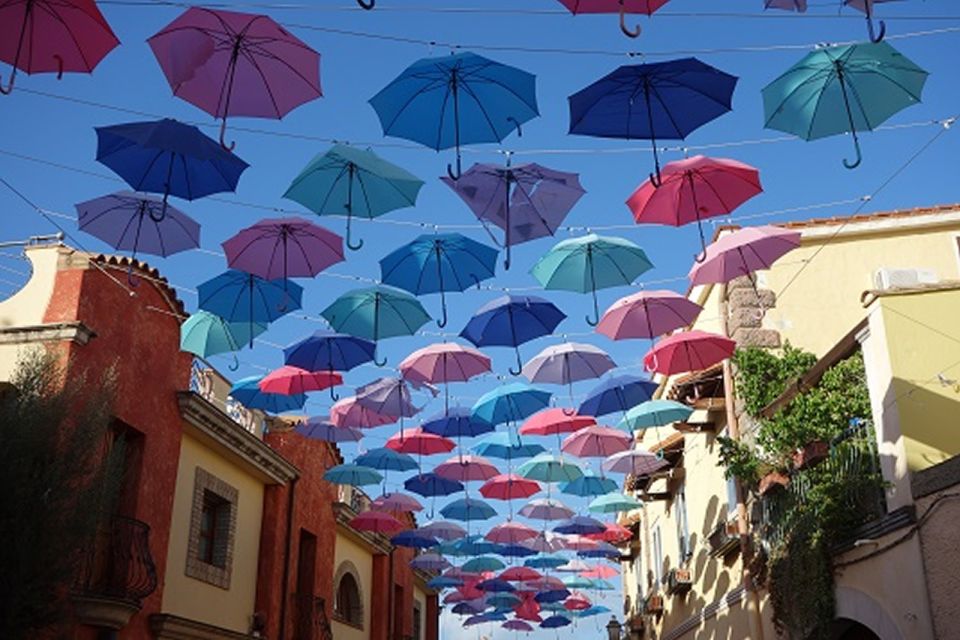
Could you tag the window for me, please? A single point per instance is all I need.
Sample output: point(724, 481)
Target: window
point(683, 527)
point(348, 599)
point(213, 522)
point(417, 624)
point(214, 527)
point(657, 558)
point(731, 498)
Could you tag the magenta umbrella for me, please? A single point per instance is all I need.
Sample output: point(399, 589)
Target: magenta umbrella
point(444, 362)
point(347, 412)
point(396, 503)
point(647, 314)
point(466, 468)
point(283, 248)
point(289, 381)
point(742, 252)
point(420, 442)
point(236, 64)
point(688, 351)
point(516, 625)
point(596, 441)
point(621, 7)
point(376, 522)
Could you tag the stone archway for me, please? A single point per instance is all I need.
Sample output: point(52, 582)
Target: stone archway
point(348, 607)
point(863, 617)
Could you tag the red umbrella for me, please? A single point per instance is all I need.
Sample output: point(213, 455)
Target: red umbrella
point(419, 442)
point(647, 314)
point(622, 7)
point(601, 571)
point(46, 36)
point(466, 468)
point(688, 351)
point(377, 522)
point(555, 421)
point(289, 381)
point(520, 574)
point(510, 533)
point(615, 533)
point(508, 486)
point(693, 189)
point(577, 602)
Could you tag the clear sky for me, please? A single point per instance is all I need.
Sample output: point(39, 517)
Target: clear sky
point(52, 122)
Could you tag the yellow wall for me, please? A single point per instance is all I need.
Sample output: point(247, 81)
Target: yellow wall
point(27, 306)
point(194, 599)
point(420, 597)
point(362, 559)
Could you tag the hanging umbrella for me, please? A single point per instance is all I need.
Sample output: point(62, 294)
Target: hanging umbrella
point(456, 422)
point(656, 413)
point(351, 182)
point(328, 351)
point(466, 468)
point(579, 525)
point(615, 533)
point(622, 7)
point(438, 583)
point(600, 571)
point(168, 157)
point(510, 321)
point(506, 446)
point(293, 380)
point(602, 550)
point(444, 530)
point(471, 546)
point(419, 442)
point(508, 486)
point(574, 566)
point(589, 263)
point(388, 397)
point(375, 313)
point(435, 562)
point(526, 201)
point(319, 429)
point(578, 542)
point(413, 539)
point(510, 533)
point(546, 509)
point(431, 484)
point(484, 618)
point(799, 6)
point(635, 461)
point(545, 562)
point(742, 252)
point(504, 600)
point(593, 611)
point(510, 403)
point(516, 625)
point(493, 585)
point(350, 413)
point(439, 263)
point(520, 574)
point(866, 6)
point(386, 460)
point(692, 189)
point(236, 296)
point(554, 622)
point(236, 64)
point(283, 248)
point(376, 522)
point(613, 503)
point(616, 394)
point(482, 564)
point(467, 509)
point(842, 89)
point(520, 550)
point(352, 474)
point(555, 421)
point(247, 392)
point(45, 36)
point(455, 100)
point(397, 503)
point(688, 351)
point(444, 362)
point(205, 334)
point(548, 468)
point(546, 542)
point(576, 603)
point(647, 314)
point(655, 101)
point(596, 441)
point(568, 363)
point(589, 484)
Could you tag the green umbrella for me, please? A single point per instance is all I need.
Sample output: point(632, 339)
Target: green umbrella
point(351, 182)
point(376, 312)
point(654, 413)
point(205, 334)
point(589, 263)
point(842, 89)
point(613, 502)
point(548, 468)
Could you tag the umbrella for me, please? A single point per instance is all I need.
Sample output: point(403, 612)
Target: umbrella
point(555, 421)
point(444, 530)
point(205, 334)
point(510, 403)
point(596, 441)
point(656, 413)
point(397, 503)
point(503, 600)
point(516, 625)
point(347, 412)
point(545, 562)
point(614, 533)
point(507, 446)
point(660, 100)
point(602, 550)
point(439, 263)
point(623, 7)
point(495, 585)
point(435, 562)
point(328, 183)
point(319, 429)
point(688, 351)
point(283, 248)
point(456, 422)
point(589, 263)
point(510, 533)
point(444, 362)
point(43, 36)
point(247, 392)
point(548, 468)
point(236, 64)
point(131, 222)
point(352, 474)
point(787, 5)
point(484, 618)
point(328, 351)
point(388, 397)
point(574, 566)
point(579, 542)
point(546, 542)
point(375, 313)
point(576, 582)
point(413, 539)
point(420, 442)
point(568, 363)
point(481, 564)
point(520, 550)
point(508, 486)
point(466, 468)
point(236, 296)
point(467, 509)
point(470, 546)
point(454, 100)
point(635, 461)
point(546, 509)
point(292, 380)
point(580, 525)
point(386, 460)
point(600, 571)
point(593, 611)
point(647, 314)
point(376, 522)
point(431, 484)
point(554, 622)
point(693, 189)
point(616, 394)
point(589, 485)
point(842, 89)
point(510, 321)
point(168, 157)
point(526, 201)
point(613, 503)
point(576, 603)
point(520, 574)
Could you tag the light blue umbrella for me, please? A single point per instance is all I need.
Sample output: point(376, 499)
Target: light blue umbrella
point(205, 334)
point(467, 509)
point(247, 392)
point(589, 484)
point(613, 502)
point(473, 545)
point(548, 468)
point(655, 413)
point(576, 582)
point(237, 296)
point(443, 582)
point(593, 611)
point(352, 474)
point(386, 460)
point(483, 563)
point(507, 446)
point(510, 403)
point(545, 562)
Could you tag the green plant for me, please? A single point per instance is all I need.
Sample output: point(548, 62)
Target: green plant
point(762, 375)
point(739, 460)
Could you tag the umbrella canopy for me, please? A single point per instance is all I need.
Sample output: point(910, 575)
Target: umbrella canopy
point(617, 394)
point(519, 550)
point(656, 413)
point(387, 396)
point(431, 484)
point(397, 503)
point(345, 181)
point(600, 571)
point(375, 313)
point(545, 562)
point(293, 380)
point(574, 566)
point(655, 101)
point(131, 222)
point(319, 429)
point(444, 530)
point(283, 248)
point(842, 89)
point(579, 542)
point(787, 5)
point(589, 263)
point(47, 37)
point(329, 351)
point(688, 351)
point(554, 622)
point(510, 321)
point(247, 392)
point(468, 509)
point(577, 603)
point(236, 64)
point(435, 562)
point(495, 585)
point(546, 509)
point(548, 468)
point(466, 468)
point(510, 403)
point(236, 296)
point(546, 542)
point(352, 474)
point(635, 461)
point(647, 314)
point(413, 539)
point(508, 486)
point(510, 533)
point(520, 574)
point(507, 446)
point(596, 441)
point(580, 525)
point(555, 421)
point(439, 263)
point(589, 485)
point(376, 522)
point(419, 442)
point(205, 334)
point(456, 422)
point(482, 564)
point(386, 460)
point(615, 533)
point(444, 362)
point(444, 102)
point(623, 7)
point(613, 503)
point(742, 252)
point(350, 413)
point(526, 201)
point(568, 363)
point(517, 625)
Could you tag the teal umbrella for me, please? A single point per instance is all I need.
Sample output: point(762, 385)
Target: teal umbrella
point(351, 182)
point(655, 413)
point(352, 474)
point(205, 334)
point(842, 89)
point(375, 313)
point(589, 263)
point(481, 564)
point(548, 468)
point(613, 502)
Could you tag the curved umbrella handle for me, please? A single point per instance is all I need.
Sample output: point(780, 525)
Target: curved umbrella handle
point(132, 280)
point(454, 176)
point(595, 320)
point(223, 132)
point(380, 363)
point(9, 88)
point(856, 147)
point(517, 123)
point(623, 23)
point(350, 245)
point(59, 60)
point(443, 305)
point(701, 256)
point(875, 37)
point(656, 180)
point(236, 363)
point(158, 217)
point(519, 368)
point(367, 6)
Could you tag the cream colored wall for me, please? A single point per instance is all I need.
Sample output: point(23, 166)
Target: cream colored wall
point(362, 559)
point(184, 596)
point(27, 306)
point(420, 597)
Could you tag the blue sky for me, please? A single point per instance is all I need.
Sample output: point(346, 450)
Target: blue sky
point(798, 176)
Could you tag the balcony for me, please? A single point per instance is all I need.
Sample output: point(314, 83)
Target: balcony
point(310, 618)
point(116, 575)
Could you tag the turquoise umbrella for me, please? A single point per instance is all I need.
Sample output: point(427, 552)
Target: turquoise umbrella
point(545, 562)
point(510, 403)
point(548, 468)
point(205, 334)
point(842, 89)
point(351, 182)
point(247, 392)
point(352, 474)
point(483, 563)
point(654, 413)
point(613, 502)
point(375, 313)
point(589, 263)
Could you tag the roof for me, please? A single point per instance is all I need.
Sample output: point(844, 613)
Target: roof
point(871, 217)
point(147, 273)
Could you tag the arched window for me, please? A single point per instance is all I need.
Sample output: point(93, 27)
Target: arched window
point(348, 606)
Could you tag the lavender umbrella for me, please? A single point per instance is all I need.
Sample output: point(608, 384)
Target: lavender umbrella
point(283, 248)
point(320, 429)
point(647, 314)
point(444, 530)
point(568, 363)
point(387, 396)
point(546, 509)
point(429, 561)
point(527, 201)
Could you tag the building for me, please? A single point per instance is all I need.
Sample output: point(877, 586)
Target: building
point(225, 528)
point(885, 287)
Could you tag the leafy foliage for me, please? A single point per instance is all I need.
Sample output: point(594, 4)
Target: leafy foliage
point(762, 375)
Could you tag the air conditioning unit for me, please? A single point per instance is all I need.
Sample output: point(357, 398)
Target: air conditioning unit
point(884, 279)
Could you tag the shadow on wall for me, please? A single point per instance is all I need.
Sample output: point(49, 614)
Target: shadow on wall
point(929, 422)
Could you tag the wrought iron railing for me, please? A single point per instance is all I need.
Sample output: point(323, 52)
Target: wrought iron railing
point(207, 382)
point(119, 564)
point(310, 615)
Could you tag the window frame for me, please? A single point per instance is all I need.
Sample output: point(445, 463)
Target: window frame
point(683, 524)
point(657, 543)
point(212, 562)
point(347, 569)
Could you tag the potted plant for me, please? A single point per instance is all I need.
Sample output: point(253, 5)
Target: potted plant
point(679, 581)
point(774, 480)
point(811, 454)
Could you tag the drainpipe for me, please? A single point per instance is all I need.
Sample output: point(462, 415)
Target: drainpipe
point(285, 586)
point(733, 427)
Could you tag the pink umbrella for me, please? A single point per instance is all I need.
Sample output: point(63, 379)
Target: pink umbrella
point(596, 441)
point(466, 468)
point(376, 522)
point(614, 533)
point(419, 442)
point(555, 421)
point(601, 571)
point(546, 542)
point(445, 362)
point(694, 189)
point(520, 574)
point(635, 461)
point(283, 248)
point(621, 7)
point(688, 351)
point(742, 252)
point(577, 542)
point(347, 412)
point(508, 486)
point(510, 533)
point(647, 314)
point(396, 503)
point(289, 381)
point(546, 509)
point(444, 530)
point(516, 625)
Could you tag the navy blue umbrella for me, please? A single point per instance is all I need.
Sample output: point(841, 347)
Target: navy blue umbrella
point(553, 595)
point(456, 422)
point(656, 101)
point(413, 539)
point(495, 585)
point(582, 525)
point(516, 551)
point(329, 351)
point(555, 621)
point(510, 321)
point(430, 484)
point(620, 393)
point(237, 296)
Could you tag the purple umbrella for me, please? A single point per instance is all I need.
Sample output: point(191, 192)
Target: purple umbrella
point(786, 5)
point(236, 64)
point(647, 314)
point(546, 509)
point(516, 625)
point(568, 363)
point(429, 561)
point(444, 530)
point(320, 429)
point(283, 248)
point(397, 503)
point(635, 461)
point(545, 542)
point(387, 396)
point(527, 201)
